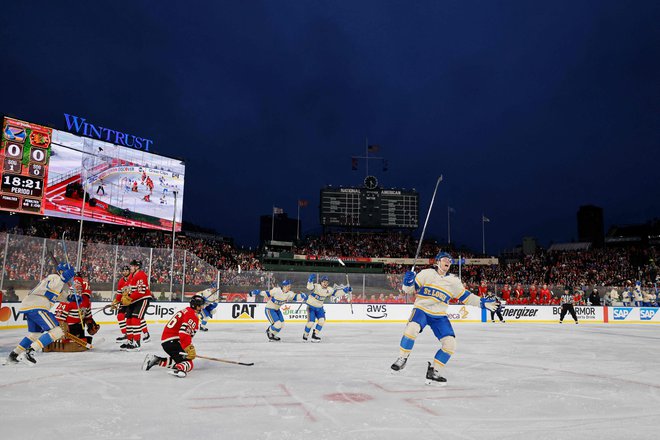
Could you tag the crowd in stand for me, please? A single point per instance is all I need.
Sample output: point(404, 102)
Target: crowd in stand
point(518, 280)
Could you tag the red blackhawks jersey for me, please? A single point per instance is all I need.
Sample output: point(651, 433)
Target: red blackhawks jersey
point(139, 285)
point(123, 282)
point(182, 326)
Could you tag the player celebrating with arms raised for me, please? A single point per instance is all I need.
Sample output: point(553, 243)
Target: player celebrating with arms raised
point(43, 327)
point(277, 297)
point(434, 288)
point(315, 300)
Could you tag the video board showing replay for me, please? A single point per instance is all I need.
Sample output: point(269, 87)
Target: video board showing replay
point(49, 172)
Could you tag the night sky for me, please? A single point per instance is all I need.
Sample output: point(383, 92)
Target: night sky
point(529, 109)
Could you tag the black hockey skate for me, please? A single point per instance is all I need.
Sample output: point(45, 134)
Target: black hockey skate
point(305, 336)
point(315, 337)
point(27, 357)
point(146, 337)
point(12, 358)
point(433, 377)
point(150, 361)
point(399, 364)
point(271, 335)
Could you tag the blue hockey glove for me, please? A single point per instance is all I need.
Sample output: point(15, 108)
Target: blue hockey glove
point(312, 278)
point(68, 274)
point(347, 290)
point(74, 298)
point(489, 304)
point(254, 292)
point(409, 278)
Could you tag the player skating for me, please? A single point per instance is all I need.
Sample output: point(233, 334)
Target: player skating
point(315, 300)
point(43, 328)
point(124, 285)
point(177, 339)
point(277, 297)
point(434, 288)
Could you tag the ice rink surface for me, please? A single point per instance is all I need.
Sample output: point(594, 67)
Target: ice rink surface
point(506, 381)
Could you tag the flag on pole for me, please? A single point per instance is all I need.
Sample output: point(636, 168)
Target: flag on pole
point(354, 163)
point(277, 210)
point(303, 203)
point(484, 219)
point(373, 148)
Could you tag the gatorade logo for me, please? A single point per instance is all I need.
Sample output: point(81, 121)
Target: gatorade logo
point(621, 313)
point(647, 314)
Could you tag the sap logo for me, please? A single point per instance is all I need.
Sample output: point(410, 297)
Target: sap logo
point(243, 311)
point(646, 314)
point(621, 313)
point(376, 311)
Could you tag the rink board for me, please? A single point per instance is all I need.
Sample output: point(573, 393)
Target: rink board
point(370, 313)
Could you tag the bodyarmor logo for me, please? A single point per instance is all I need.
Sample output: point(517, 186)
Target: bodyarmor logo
point(646, 314)
point(621, 313)
point(243, 311)
point(376, 311)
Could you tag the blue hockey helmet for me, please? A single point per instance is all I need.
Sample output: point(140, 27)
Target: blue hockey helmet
point(443, 254)
point(324, 278)
point(285, 283)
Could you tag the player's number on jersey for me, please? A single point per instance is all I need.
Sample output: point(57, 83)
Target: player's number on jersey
point(173, 322)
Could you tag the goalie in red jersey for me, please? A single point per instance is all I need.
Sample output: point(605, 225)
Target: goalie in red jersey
point(177, 338)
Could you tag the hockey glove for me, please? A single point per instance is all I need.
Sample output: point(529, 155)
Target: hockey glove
point(312, 278)
point(74, 298)
point(126, 299)
point(489, 304)
point(68, 274)
point(92, 327)
point(255, 292)
point(190, 352)
point(409, 278)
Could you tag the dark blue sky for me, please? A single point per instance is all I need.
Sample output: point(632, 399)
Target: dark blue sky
point(529, 109)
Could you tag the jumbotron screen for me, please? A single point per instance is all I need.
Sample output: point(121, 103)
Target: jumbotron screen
point(48, 172)
point(369, 208)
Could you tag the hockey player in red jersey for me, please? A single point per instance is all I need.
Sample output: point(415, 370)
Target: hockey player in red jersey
point(121, 310)
point(136, 302)
point(177, 339)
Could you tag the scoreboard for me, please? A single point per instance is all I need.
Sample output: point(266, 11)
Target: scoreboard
point(369, 208)
point(24, 153)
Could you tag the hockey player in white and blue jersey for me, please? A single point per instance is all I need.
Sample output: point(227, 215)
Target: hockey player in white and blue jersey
point(315, 300)
point(434, 288)
point(277, 297)
point(43, 327)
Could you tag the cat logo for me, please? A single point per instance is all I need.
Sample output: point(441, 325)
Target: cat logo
point(243, 311)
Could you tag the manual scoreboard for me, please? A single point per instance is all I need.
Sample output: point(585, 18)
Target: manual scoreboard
point(24, 153)
point(369, 208)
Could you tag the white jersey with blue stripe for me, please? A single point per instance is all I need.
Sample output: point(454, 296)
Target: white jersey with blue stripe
point(44, 295)
point(433, 292)
point(277, 297)
point(318, 294)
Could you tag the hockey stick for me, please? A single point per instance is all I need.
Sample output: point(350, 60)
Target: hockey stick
point(348, 283)
point(220, 360)
point(79, 341)
point(428, 214)
point(72, 286)
point(303, 302)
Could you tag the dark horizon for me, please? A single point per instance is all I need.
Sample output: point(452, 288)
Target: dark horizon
point(529, 111)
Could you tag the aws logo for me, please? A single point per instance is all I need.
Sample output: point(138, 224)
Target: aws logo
point(621, 313)
point(377, 311)
point(647, 314)
point(243, 311)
